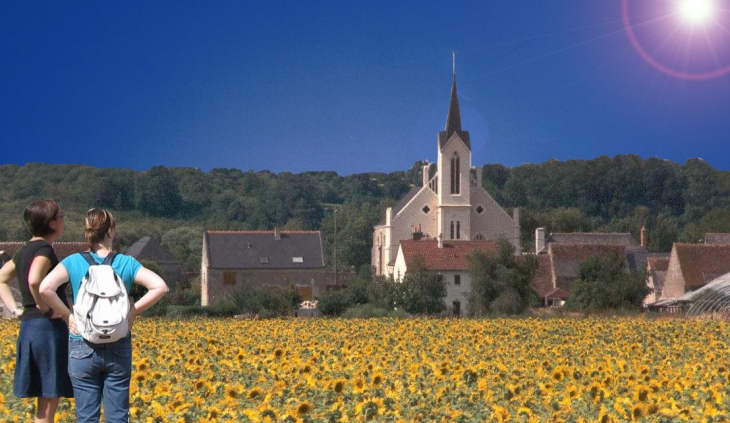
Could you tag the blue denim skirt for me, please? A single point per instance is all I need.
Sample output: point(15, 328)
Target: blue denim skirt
point(41, 366)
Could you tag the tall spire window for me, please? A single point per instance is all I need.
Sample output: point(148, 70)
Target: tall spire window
point(455, 174)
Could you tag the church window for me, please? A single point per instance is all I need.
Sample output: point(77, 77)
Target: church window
point(425, 209)
point(455, 174)
point(479, 237)
point(452, 230)
point(457, 279)
point(480, 209)
point(458, 230)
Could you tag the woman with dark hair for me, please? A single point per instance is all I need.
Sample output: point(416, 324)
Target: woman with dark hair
point(101, 372)
point(42, 348)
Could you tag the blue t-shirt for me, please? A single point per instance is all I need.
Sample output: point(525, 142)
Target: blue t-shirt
point(76, 266)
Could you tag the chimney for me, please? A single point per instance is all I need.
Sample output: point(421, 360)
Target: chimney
point(480, 170)
point(277, 235)
point(642, 239)
point(425, 173)
point(516, 215)
point(539, 240)
point(441, 241)
point(417, 234)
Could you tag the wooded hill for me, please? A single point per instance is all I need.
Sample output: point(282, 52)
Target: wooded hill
point(174, 205)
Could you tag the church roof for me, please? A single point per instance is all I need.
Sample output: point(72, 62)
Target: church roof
point(453, 121)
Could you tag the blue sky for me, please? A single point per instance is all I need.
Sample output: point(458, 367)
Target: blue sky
point(356, 86)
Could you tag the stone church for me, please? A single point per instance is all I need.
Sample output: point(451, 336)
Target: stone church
point(451, 204)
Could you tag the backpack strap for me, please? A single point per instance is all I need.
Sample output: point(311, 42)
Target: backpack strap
point(107, 260)
point(88, 258)
point(110, 258)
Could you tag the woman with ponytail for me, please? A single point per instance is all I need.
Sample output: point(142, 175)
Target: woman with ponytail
point(101, 373)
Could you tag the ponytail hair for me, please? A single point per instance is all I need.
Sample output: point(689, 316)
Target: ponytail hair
point(38, 216)
point(98, 223)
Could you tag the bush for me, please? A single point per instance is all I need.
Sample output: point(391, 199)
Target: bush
point(185, 311)
point(508, 302)
point(333, 303)
point(366, 311)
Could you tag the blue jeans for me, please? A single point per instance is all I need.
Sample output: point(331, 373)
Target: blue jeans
point(101, 372)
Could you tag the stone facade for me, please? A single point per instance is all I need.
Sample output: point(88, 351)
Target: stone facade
point(264, 259)
point(692, 266)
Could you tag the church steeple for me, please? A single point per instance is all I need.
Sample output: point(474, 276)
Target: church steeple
point(453, 120)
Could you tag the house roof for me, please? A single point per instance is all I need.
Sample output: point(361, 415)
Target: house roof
point(701, 263)
point(567, 258)
point(717, 238)
point(62, 249)
point(584, 251)
point(558, 293)
point(453, 255)
point(542, 280)
point(147, 248)
point(614, 238)
point(263, 250)
point(658, 263)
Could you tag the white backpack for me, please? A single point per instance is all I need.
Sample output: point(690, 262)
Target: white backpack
point(102, 303)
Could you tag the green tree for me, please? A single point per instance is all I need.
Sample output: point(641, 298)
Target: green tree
point(422, 291)
point(605, 284)
point(501, 283)
point(157, 193)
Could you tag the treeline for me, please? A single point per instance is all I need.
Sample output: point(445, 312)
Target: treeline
point(619, 194)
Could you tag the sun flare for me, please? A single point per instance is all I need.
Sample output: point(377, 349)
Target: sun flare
point(695, 11)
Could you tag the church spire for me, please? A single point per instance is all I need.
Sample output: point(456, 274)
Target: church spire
point(453, 120)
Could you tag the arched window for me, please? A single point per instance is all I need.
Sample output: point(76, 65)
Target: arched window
point(455, 174)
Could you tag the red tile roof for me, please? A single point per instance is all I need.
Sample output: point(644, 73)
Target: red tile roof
point(542, 280)
point(701, 263)
point(62, 249)
point(659, 264)
point(453, 255)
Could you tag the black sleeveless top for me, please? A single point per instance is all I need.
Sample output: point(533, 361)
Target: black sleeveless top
point(23, 259)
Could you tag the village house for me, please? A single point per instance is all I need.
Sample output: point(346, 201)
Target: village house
point(692, 266)
point(656, 274)
point(449, 259)
point(8, 250)
point(451, 205)
point(561, 254)
point(264, 259)
point(148, 249)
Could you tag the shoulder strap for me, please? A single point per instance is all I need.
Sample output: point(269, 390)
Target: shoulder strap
point(110, 258)
point(88, 258)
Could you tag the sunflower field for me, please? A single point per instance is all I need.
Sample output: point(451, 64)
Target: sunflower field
point(406, 370)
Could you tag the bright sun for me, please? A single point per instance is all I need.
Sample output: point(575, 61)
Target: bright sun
point(695, 11)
